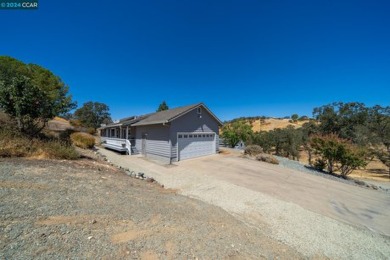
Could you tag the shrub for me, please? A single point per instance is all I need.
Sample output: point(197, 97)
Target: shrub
point(91, 131)
point(267, 158)
point(253, 150)
point(83, 140)
point(319, 164)
point(14, 144)
point(336, 153)
point(64, 136)
point(58, 150)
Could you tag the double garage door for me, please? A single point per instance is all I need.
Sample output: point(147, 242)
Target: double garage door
point(191, 145)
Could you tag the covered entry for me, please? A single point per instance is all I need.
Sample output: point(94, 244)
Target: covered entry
point(191, 145)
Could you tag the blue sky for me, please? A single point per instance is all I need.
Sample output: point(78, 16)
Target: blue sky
point(241, 58)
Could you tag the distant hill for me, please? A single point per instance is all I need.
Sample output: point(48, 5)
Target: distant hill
point(269, 124)
point(273, 123)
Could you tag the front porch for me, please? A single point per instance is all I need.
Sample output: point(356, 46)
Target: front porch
point(119, 144)
point(119, 138)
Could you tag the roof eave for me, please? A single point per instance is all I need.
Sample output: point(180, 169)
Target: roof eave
point(152, 123)
point(196, 106)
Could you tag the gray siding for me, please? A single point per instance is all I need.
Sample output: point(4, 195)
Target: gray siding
point(157, 142)
point(191, 122)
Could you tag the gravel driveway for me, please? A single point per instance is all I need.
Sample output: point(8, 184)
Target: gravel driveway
point(314, 215)
point(88, 210)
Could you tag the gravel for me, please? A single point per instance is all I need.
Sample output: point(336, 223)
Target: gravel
point(87, 209)
point(311, 234)
point(295, 165)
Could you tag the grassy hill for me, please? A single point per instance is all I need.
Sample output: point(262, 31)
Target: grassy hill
point(273, 123)
point(58, 124)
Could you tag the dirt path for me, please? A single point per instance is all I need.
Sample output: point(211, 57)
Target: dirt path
point(302, 212)
point(89, 210)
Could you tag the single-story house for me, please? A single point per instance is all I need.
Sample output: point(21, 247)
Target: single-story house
point(170, 135)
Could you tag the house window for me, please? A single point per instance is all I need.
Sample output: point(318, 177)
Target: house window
point(190, 136)
point(199, 110)
point(185, 136)
point(180, 136)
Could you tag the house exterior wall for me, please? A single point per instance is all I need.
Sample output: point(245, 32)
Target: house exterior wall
point(191, 122)
point(157, 142)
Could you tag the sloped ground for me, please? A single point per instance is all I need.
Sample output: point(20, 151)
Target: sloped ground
point(86, 209)
point(314, 215)
point(273, 123)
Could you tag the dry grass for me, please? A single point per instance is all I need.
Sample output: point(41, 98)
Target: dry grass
point(267, 158)
point(253, 150)
point(82, 140)
point(273, 123)
point(375, 170)
point(60, 119)
point(58, 124)
point(17, 145)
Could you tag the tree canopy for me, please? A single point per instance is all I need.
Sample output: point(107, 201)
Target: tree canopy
point(163, 106)
point(351, 130)
point(31, 94)
point(235, 132)
point(93, 114)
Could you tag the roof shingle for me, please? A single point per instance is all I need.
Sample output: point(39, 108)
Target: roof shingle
point(165, 116)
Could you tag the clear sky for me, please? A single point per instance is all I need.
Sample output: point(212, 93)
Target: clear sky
point(241, 58)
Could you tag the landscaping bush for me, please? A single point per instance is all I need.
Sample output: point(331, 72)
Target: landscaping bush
point(82, 140)
point(253, 150)
point(267, 158)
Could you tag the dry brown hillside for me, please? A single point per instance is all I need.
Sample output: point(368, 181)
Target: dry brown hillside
point(58, 124)
point(273, 123)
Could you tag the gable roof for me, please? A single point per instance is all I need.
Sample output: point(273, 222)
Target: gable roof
point(167, 116)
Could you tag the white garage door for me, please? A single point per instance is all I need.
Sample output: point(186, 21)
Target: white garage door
point(192, 145)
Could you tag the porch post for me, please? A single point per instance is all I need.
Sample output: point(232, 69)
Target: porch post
point(127, 132)
point(120, 132)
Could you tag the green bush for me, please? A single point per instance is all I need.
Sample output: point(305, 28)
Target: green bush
point(253, 150)
point(267, 158)
point(338, 154)
point(83, 140)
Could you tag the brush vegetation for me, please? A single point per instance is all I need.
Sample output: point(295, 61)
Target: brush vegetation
point(341, 137)
point(82, 140)
point(14, 144)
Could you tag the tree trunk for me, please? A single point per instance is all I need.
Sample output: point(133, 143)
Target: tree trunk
point(310, 155)
point(19, 124)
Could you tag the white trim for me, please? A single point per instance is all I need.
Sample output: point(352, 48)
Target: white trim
point(189, 133)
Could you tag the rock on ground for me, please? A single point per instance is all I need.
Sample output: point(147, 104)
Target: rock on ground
point(84, 209)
